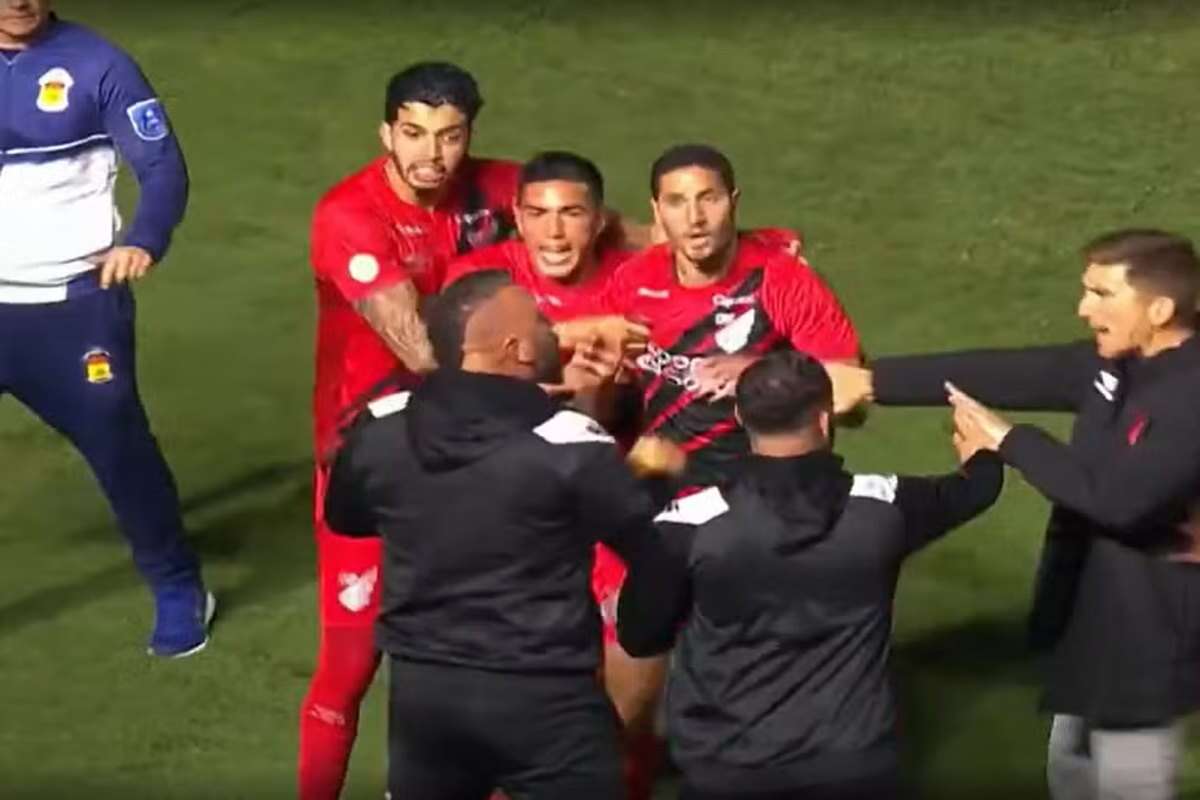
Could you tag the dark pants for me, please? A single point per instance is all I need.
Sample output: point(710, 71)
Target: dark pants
point(72, 363)
point(880, 787)
point(456, 733)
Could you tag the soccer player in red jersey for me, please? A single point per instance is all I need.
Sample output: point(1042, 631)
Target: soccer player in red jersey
point(565, 260)
point(564, 256)
point(715, 301)
point(381, 240)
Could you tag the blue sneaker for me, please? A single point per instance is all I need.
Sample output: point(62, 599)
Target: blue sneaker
point(181, 620)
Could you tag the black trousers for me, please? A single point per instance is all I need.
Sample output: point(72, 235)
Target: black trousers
point(456, 733)
point(880, 787)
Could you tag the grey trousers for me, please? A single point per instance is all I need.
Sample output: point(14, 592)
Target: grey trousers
point(1086, 763)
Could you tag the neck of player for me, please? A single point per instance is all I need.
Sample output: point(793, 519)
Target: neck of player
point(789, 445)
point(426, 200)
point(705, 271)
point(1165, 339)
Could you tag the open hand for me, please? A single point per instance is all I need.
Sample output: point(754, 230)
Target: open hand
point(716, 377)
point(979, 427)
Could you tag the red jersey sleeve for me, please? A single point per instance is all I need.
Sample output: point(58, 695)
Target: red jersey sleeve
point(805, 310)
point(355, 249)
point(496, 256)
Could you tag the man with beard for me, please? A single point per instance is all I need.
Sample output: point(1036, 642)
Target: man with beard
point(1116, 608)
point(489, 498)
point(565, 258)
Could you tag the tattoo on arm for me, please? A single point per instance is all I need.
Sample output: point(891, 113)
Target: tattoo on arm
point(395, 314)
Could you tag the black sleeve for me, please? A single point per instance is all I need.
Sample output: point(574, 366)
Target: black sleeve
point(347, 510)
point(934, 506)
point(622, 510)
point(655, 601)
point(1118, 493)
point(1053, 378)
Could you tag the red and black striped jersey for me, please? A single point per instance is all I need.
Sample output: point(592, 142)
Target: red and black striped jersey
point(767, 300)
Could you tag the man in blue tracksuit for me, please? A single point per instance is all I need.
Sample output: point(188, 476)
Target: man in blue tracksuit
point(70, 102)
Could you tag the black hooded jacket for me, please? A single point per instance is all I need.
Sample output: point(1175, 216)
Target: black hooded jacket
point(490, 497)
point(780, 677)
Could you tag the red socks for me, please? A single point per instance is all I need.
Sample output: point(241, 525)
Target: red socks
point(346, 664)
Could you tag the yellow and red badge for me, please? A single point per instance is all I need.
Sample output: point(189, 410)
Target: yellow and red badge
point(97, 366)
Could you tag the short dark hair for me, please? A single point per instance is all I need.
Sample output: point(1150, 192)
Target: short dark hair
point(434, 83)
point(558, 165)
point(782, 393)
point(447, 315)
point(691, 155)
point(1158, 263)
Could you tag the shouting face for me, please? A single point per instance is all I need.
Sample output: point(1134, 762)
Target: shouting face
point(559, 222)
point(427, 144)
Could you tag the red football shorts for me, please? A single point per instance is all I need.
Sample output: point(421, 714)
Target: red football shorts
point(348, 570)
point(608, 573)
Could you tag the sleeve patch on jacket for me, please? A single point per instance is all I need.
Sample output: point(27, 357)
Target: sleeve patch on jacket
point(389, 404)
point(695, 509)
point(148, 120)
point(876, 487)
point(572, 427)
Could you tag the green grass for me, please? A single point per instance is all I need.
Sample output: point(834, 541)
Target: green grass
point(945, 160)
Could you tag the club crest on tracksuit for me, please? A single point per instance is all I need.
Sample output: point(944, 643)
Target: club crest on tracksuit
point(97, 366)
point(54, 90)
point(356, 591)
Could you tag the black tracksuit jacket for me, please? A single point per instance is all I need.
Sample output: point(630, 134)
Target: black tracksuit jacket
point(490, 497)
point(780, 678)
point(1118, 616)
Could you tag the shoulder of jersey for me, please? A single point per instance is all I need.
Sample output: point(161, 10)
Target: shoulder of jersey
point(389, 404)
point(875, 487)
point(695, 509)
point(572, 427)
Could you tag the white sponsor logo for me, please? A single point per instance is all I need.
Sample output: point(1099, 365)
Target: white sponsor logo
point(410, 230)
point(674, 368)
point(54, 90)
point(364, 267)
point(548, 300)
point(725, 301)
point(357, 589)
point(654, 294)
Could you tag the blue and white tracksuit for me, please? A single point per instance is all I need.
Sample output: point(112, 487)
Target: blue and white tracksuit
point(70, 104)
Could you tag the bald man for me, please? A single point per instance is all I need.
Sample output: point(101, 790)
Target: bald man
point(490, 496)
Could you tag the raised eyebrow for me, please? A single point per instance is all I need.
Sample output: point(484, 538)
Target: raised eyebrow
point(451, 129)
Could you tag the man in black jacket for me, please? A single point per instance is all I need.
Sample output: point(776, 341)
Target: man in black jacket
point(779, 686)
point(1116, 606)
point(490, 497)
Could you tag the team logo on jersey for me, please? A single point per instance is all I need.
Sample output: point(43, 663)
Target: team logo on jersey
point(736, 333)
point(148, 120)
point(481, 228)
point(54, 90)
point(97, 366)
point(654, 294)
point(356, 591)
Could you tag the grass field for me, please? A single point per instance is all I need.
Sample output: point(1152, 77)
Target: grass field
point(943, 158)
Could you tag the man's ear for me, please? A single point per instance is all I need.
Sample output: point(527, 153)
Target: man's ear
point(1161, 311)
point(825, 421)
point(385, 136)
point(519, 351)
